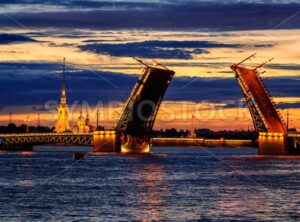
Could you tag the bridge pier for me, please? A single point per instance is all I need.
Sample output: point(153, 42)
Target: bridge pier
point(105, 141)
point(272, 144)
point(279, 144)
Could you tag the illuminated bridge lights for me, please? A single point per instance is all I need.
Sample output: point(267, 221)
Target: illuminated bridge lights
point(295, 135)
point(102, 133)
point(263, 134)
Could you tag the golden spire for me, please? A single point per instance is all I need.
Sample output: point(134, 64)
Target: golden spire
point(62, 122)
point(63, 91)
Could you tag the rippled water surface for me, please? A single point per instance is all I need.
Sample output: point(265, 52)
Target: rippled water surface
point(171, 184)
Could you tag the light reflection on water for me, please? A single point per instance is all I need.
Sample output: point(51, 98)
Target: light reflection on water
point(173, 184)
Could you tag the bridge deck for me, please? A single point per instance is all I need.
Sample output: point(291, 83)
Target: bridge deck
point(32, 139)
point(262, 99)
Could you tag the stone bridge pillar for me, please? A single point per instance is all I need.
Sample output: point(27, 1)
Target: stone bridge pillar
point(272, 144)
point(105, 141)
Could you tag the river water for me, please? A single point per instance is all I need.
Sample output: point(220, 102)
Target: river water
point(171, 184)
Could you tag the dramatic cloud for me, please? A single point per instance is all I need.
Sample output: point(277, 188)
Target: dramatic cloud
point(84, 4)
point(156, 49)
point(158, 15)
point(285, 67)
point(36, 83)
point(13, 38)
point(264, 46)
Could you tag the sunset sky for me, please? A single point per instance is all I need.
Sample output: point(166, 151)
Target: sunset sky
point(199, 40)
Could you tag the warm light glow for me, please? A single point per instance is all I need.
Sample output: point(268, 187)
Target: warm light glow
point(171, 114)
point(215, 64)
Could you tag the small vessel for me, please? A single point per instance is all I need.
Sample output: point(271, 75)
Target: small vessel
point(78, 156)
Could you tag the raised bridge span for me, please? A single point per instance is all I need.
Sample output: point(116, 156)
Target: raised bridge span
point(135, 125)
point(273, 133)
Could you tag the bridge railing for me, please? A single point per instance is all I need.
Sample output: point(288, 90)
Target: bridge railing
point(32, 139)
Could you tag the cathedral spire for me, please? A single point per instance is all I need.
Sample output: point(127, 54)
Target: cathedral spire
point(63, 90)
point(62, 122)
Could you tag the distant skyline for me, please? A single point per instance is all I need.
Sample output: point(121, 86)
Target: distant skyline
point(199, 40)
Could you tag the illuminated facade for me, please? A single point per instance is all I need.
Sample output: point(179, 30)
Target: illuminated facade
point(62, 122)
point(83, 124)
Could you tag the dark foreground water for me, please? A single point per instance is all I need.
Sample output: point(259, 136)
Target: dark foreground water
point(177, 184)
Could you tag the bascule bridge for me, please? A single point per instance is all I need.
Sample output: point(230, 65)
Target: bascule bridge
point(136, 122)
point(267, 120)
point(132, 133)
